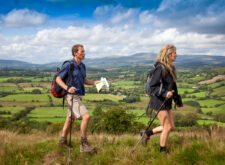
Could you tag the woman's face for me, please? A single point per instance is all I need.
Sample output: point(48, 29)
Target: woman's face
point(173, 56)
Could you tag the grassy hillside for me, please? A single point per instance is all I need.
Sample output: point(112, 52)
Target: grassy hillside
point(187, 147)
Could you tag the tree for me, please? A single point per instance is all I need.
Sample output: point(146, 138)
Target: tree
point(36, 91)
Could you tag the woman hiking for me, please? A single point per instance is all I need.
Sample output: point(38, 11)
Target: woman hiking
point(165, 72)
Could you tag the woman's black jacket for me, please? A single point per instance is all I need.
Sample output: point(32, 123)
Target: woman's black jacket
point(161, 83)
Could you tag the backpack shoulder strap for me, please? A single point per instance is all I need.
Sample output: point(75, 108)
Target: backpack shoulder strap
point(164, 72)
point(71, 70)
point(70, 74)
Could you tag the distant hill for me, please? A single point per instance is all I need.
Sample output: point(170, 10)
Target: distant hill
point(16, 64)
point(186, 61)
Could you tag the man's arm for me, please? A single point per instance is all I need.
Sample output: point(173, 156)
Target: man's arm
point(90, 82)
point(64, 86)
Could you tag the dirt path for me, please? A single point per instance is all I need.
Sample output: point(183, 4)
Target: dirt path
point(213, 80)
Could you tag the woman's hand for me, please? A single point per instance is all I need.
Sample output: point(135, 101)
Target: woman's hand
point(169, 94)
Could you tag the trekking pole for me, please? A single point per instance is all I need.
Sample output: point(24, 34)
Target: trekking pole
point(132, 151)
point(71, 108)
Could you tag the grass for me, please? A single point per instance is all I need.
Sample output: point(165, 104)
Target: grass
point(187, 147)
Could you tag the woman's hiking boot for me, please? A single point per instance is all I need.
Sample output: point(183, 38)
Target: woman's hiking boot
point(85, 147)
point(144, 138)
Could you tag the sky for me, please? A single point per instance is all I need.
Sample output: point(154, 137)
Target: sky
point(44, 31)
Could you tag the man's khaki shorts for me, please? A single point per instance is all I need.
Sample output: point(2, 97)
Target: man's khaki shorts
point(78, 107)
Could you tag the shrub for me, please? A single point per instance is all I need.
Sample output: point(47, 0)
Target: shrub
point(189, 119)
point(192, 103)
point(131, 99)
point(114, 121)
point(220, 117)
point(209, 113)
point(25, 126)
point(199, 110)
point(36, 91)
point(55, 127)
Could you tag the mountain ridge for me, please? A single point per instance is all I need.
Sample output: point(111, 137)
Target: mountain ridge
point(118, 61)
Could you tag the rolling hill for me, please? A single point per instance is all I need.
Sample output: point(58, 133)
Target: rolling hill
point(187, 61)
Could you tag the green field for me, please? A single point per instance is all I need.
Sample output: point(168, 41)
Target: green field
point(125, 83)
point(210, 102)
point(198, 95)
point(32, 88)
point(216, 84)
point(9, 89)
point(207, 122)
point(198, 78)
point(121, 82)
point(215, 110)
point(99, 97)
point(26, 97)
point(219, 91)
point(183, 90)
point(4, 79)
point(49, 112)
point(51, 120)
point(12, 110)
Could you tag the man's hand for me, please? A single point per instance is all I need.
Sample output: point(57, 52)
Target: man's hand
point(97, 82)
point(72, 90)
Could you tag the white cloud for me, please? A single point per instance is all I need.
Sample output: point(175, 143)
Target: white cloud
point(116, 16)
point(121, 17)
point(55, 44)
point(125, 32)
point(23, 18)
point(145, 17)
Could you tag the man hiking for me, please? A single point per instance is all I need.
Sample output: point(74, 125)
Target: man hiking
point(75, 90)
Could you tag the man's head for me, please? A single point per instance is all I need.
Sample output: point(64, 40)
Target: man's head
point(78, 51)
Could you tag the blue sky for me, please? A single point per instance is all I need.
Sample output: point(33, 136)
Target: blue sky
point(45, 30)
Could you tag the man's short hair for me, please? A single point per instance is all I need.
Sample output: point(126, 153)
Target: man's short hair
point(75, 48)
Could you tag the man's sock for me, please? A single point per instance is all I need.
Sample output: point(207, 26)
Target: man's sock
point(63, 138)
point(149, 133)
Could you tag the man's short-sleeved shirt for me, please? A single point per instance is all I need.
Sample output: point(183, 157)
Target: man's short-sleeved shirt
point(78, 76)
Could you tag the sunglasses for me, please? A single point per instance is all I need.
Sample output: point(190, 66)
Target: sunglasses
point(168, 47)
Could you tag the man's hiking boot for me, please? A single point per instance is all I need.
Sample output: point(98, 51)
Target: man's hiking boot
point(164, 151)
point(144, 138)
point(63, 143)
point(85, 147)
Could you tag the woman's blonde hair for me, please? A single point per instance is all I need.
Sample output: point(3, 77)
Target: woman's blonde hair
point(163, 57)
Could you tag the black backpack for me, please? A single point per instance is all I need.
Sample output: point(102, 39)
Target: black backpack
point(149, 78)
point(56, 90)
